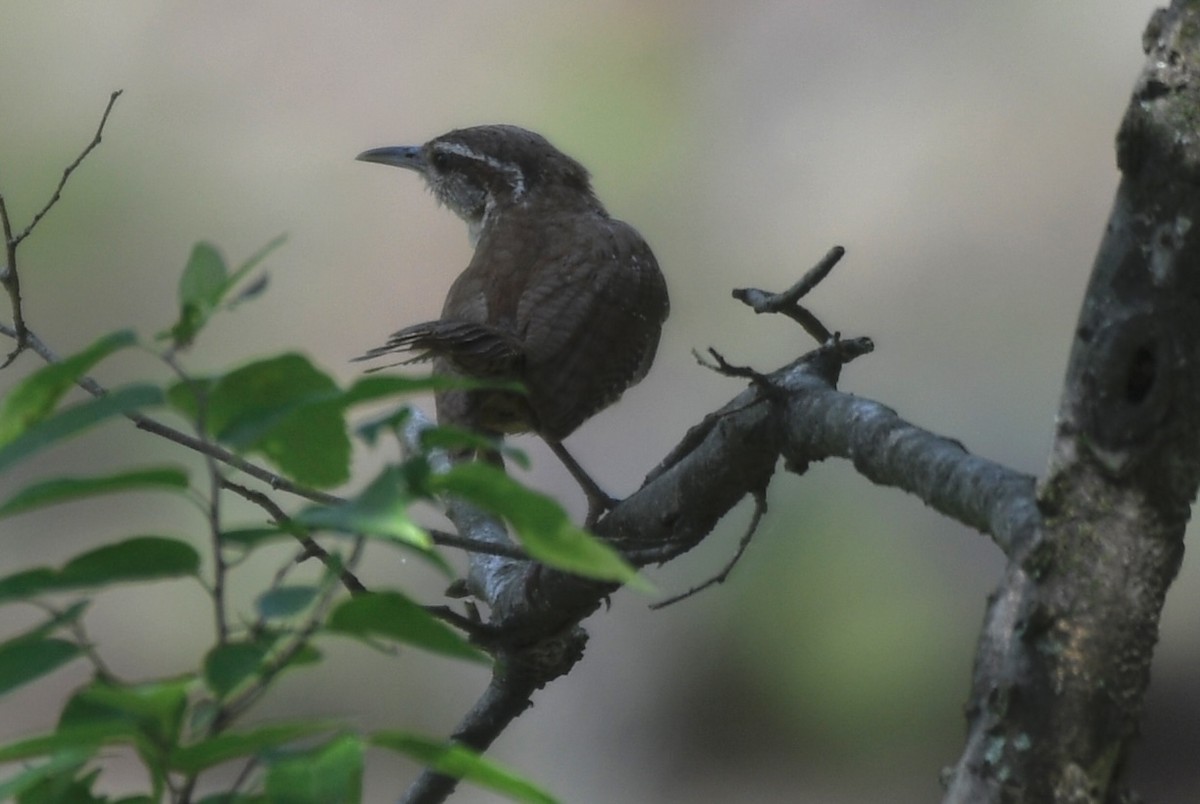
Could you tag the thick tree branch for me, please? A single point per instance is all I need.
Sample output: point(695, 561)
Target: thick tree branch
point(1063, 661)
point(795, 412)
point(887, 450)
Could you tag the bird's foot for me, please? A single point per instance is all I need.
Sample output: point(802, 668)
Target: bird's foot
point(599, 504)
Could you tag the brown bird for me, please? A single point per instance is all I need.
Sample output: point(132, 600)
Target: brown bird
point(558, 296)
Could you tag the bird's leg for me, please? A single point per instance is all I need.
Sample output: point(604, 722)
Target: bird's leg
point(598, 501)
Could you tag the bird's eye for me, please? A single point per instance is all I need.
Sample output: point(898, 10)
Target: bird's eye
point(439, 160)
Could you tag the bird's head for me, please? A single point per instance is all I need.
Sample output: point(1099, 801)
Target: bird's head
point(479, 171)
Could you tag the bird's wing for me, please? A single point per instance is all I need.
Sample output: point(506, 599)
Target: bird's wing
point(590, 323)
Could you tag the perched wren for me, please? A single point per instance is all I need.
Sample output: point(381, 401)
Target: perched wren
point(558, 295)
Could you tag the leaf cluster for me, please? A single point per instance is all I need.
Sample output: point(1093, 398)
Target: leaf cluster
point(287, 413)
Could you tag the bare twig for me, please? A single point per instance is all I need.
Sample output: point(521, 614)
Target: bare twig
point(10, 277)
point(765, 302)
point(723, 366)
point(787, 302)
point(112, 99)
point(760, 508)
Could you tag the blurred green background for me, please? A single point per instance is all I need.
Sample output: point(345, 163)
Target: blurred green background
point(963, 153)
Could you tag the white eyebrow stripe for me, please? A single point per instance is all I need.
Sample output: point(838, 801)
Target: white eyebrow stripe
point(513, 171)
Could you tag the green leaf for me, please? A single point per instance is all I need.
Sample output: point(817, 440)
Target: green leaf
point(383, 386)
point(146, 716)
point(380, 510)
point(73, 488)
point(232, 745)
point(250, 538)
point(228, 666)
point(542, 525)
point(184, 396)
point(393, 421)
point(283, 408)
point(22, 659)
point(141, 558)
point(151, 713)
point(35, 397)
point(86, 738)
point(77, 418)
point(285, 601)
point(252, 401)
point(454, 438)
point(331, 774)
point(57, 620)
point(206, 282)
point(457, 760)
point(201, 286)
point(204, 278)
point(28, 583)
point(391, 615)
point(59, 769)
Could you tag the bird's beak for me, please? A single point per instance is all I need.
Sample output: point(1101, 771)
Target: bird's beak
point(404, 156)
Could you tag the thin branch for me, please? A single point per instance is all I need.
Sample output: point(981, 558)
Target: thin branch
point(112, 99)
point(309, 545)
point(220, 567)
point(213, 512)
point(787, 302)
point(83, 641)
point(467, 544)
point(243, 776)
point(760, 508)
point(10, 277)
point(240, 703)
point(727, 369)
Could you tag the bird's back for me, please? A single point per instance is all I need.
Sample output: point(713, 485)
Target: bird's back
point(586, 302)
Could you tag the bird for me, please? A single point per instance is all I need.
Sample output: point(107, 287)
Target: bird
point(558, 296)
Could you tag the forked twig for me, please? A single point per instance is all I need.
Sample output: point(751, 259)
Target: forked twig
point(10, 277)
point(69, 169)
point(788, 302)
